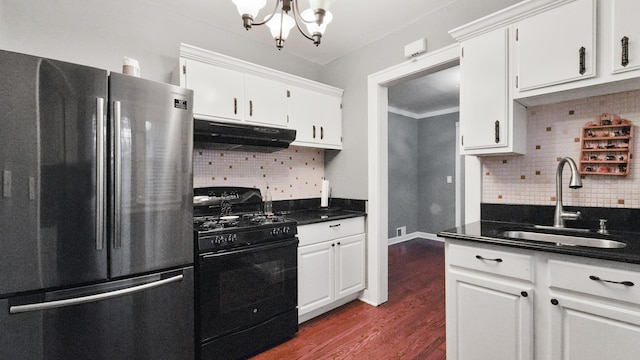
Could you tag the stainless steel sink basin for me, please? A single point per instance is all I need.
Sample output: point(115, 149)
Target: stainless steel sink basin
point(564, 240)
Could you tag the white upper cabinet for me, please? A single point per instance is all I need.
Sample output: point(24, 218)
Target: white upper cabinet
point(556, 46)
point(488, 123)
point(317, 117)
point(232, 90)
point(266, 101)
point(219, 92)
point(625, 40)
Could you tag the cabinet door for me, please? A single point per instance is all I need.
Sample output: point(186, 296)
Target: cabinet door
point(349, 265)
point(303, 114)
point(217, 92)
point(583, 329)
point(265, 101)
point(624, 22)
point(315, 276)
point(488, 319)
point(330, 120)
point(484, 96)
point(549, 46)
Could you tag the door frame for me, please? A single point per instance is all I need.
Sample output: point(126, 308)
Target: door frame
point(377, 291)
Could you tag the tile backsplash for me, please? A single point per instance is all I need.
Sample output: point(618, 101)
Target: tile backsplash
point(553, 132)
point(293, 173)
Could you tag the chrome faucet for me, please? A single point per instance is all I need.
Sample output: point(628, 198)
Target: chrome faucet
point(575, 183)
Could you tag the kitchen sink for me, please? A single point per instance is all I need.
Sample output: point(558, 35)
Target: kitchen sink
point(564, 240)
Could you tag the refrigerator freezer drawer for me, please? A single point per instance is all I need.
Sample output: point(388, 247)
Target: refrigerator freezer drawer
point(154, 321)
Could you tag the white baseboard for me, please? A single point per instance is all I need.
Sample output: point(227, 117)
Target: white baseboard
point(414, 235)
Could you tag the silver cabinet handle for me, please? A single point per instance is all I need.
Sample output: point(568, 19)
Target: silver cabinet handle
point(48, 305)
point(100, 161)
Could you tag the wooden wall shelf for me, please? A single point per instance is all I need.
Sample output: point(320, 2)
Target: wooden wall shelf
point(606, 146)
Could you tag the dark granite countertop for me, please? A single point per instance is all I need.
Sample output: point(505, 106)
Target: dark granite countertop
point(308, 211)
point(490, 232)
point(312, 216)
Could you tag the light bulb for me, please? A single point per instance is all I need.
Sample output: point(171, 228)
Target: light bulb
point(320, 4)
point(274, 25)
point(309, 18)
point(249, 7)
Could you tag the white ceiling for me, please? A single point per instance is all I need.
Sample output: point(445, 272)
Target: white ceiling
point(355, 24)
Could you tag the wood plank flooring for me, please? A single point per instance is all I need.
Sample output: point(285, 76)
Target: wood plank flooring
point(411, 325)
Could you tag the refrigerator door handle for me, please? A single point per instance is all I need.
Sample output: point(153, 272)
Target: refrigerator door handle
point(117, 173)
point(100, 170)
point(48, 305)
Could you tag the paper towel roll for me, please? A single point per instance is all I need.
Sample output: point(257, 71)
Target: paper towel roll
point(324, 198)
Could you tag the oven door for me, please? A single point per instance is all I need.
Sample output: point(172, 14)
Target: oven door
point(246, 287)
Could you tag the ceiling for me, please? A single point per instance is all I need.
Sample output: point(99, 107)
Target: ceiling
point(431, 95)
point(356, 23)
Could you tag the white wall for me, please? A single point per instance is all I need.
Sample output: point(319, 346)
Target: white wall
point(347, 169)
point(100, 33)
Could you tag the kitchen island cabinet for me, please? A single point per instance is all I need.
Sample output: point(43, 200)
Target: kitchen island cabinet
point(536, 304)
point(331, 265)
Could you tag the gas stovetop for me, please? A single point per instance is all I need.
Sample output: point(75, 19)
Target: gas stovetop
point(217, 232)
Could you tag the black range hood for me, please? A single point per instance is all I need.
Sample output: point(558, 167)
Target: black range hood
point(240, 137)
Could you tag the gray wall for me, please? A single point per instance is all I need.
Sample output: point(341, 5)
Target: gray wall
point(348, 168)
point(403, 173)
point(436, 161)
point(100, 33)
point(421, 156)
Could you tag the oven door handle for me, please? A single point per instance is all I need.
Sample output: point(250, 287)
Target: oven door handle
point(253, 248)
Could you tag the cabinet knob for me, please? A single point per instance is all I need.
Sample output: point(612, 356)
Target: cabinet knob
point(554, 301)
point(524, 294)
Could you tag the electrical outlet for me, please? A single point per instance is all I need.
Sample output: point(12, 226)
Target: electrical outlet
point(401, 231)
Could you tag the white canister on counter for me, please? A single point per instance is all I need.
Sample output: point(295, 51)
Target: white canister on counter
point(130, 67)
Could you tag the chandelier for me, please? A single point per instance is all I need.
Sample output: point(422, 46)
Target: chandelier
point(280, 21)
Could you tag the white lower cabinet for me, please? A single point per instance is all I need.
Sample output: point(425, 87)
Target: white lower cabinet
point(594, 312)
point(489, 307)
point(574, 308)
point(331, 263)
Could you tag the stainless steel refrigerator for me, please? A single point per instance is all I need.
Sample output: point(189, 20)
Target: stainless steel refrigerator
point(96, 241)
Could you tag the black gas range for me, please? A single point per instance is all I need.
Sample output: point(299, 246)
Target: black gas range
point(246, 274)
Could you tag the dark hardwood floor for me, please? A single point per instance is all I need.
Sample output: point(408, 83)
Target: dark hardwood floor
point(411, 325)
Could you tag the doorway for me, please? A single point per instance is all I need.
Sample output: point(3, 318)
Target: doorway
point(377, 209)
point(423, 163)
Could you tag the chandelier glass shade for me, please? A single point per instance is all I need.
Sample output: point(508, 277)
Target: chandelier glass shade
point(285, 15)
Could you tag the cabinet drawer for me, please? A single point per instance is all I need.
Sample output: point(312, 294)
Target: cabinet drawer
point(329, 230)
point(497, 262)
point(583, 278)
